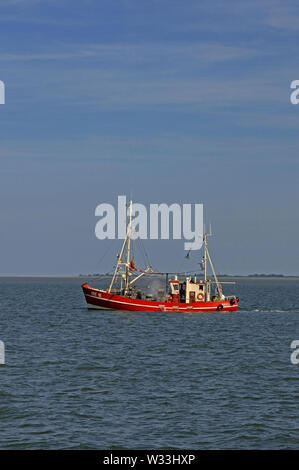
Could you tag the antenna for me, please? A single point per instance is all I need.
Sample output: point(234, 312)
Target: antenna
point(210, 230)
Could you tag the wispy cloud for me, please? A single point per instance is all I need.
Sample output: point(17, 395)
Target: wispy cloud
point(206, 52)
point(284, 16)
point(128, 76)
point(5, 3)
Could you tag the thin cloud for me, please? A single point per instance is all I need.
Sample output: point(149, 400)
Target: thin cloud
point(5, 3)
point(128, 53)
point(284, 17)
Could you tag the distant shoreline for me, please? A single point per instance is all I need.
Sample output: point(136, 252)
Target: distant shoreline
point(97, 276)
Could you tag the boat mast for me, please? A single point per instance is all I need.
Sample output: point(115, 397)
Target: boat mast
point(207, 257)
point(219, 287)
point(119, 261)
point(127, 273)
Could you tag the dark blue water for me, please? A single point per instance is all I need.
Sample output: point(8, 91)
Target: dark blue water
point(79, 379)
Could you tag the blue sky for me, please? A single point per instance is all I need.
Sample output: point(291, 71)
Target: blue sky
point(171, 101)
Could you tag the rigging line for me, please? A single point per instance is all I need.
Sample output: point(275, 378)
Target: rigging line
point(183, 261)
point(139, 250)
point(147, 261)
point(106, 252)
point(132, 249)
point(143, 252)
point(195, 270)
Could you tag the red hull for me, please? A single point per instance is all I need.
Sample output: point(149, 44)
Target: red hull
point(103, 300)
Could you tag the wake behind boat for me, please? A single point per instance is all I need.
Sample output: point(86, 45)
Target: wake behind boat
point(180, 294)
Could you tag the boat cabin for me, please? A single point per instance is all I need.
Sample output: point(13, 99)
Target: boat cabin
point(187, 291)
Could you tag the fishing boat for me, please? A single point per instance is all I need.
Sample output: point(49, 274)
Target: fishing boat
point(178, 294)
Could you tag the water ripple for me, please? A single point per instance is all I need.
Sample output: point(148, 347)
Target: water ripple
point(78, 379)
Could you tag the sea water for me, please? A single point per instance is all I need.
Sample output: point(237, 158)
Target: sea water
point(79, 379)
